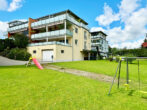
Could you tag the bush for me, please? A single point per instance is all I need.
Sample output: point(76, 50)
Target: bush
point(5, 52)
point(19, 54)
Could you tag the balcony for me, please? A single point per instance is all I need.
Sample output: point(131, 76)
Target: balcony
point(17, 28)
point(48, 21)
point(71, 19)
point(49, 43)
point(57, 19)
point(95, 44)
point(96, 37)
point(52, 34)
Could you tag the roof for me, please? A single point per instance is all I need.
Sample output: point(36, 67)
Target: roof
point(98, 32)
point(63, 12)
point(144, 44)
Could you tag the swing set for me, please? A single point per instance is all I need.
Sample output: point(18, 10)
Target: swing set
point(118, 71)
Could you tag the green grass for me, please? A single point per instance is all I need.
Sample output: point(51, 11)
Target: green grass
point(109, 68)
point(29, 88)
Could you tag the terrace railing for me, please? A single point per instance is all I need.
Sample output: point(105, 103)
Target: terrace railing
point(52, 34)
point(49, 43)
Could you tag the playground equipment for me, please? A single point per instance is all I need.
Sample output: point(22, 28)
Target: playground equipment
point(35, 62)
point(127, 73)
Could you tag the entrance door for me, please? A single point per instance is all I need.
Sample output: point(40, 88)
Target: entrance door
point(47, 55)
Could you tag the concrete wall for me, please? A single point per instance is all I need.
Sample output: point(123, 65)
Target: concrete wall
point(66, 56)
point(58, 56)
point(39, 50)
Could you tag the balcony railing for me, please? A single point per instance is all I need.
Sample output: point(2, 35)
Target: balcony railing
point(49, 43)
point(95, 44)
point(58, 18)
point(96, 37)
point(52, 34)
point(49, 20)
point(18, 27)
point(71, 19)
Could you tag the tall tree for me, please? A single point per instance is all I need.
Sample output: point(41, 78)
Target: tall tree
point(20, 40)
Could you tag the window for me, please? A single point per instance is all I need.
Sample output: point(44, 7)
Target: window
point(34, 51)
point(85, 35)
point(76, 30)
point(76, 41)
point(62, 51)
point(85, 45)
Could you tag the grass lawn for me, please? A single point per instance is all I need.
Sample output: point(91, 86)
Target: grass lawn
point(109, 68)
point(29, 88)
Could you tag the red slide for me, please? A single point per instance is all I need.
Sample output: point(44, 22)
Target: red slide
point(37, 63)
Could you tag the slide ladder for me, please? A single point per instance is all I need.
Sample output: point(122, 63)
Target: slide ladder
point(35, 62)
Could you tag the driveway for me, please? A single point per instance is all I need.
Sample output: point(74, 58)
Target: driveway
point(8, 62)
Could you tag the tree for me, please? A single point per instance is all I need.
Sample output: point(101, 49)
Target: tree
point(145, 40)
point(20, 40)
point(6, 43)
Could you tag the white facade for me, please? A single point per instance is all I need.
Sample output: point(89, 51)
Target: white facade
point(99, 39)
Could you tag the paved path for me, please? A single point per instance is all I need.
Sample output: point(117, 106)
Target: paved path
point(8, 62)
point(100, 77)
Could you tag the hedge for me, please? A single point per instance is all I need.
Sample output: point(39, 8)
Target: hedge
point(18, 54)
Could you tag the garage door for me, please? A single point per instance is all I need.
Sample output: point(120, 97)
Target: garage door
point(47, 55)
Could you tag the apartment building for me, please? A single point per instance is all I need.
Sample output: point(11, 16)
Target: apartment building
point(57, 37)
point(98, 39)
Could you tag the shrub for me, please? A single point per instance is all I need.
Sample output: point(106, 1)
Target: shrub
point(5, 52)
point(19, 54)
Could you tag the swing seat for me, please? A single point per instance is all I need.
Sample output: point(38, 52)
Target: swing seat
point(126, 86)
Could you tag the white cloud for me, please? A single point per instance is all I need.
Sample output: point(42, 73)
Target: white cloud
point(130, 35)
point(3, 4)
point(3, 28)
point(12, 6)
point(15, 4)
point(93, 29)
point(129, 45)
point(127, 7)
point(108, 17)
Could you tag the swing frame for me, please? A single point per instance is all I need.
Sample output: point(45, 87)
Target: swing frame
point(127, 72)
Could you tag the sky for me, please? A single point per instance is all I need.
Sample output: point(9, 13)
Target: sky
point(124, 21)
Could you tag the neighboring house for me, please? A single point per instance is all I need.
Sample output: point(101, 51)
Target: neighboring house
point(98, 39)
point(57, 37)
point(144, 45)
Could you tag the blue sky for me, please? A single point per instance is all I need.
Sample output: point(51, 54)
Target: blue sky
point(86, 9)
point(110, 16)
